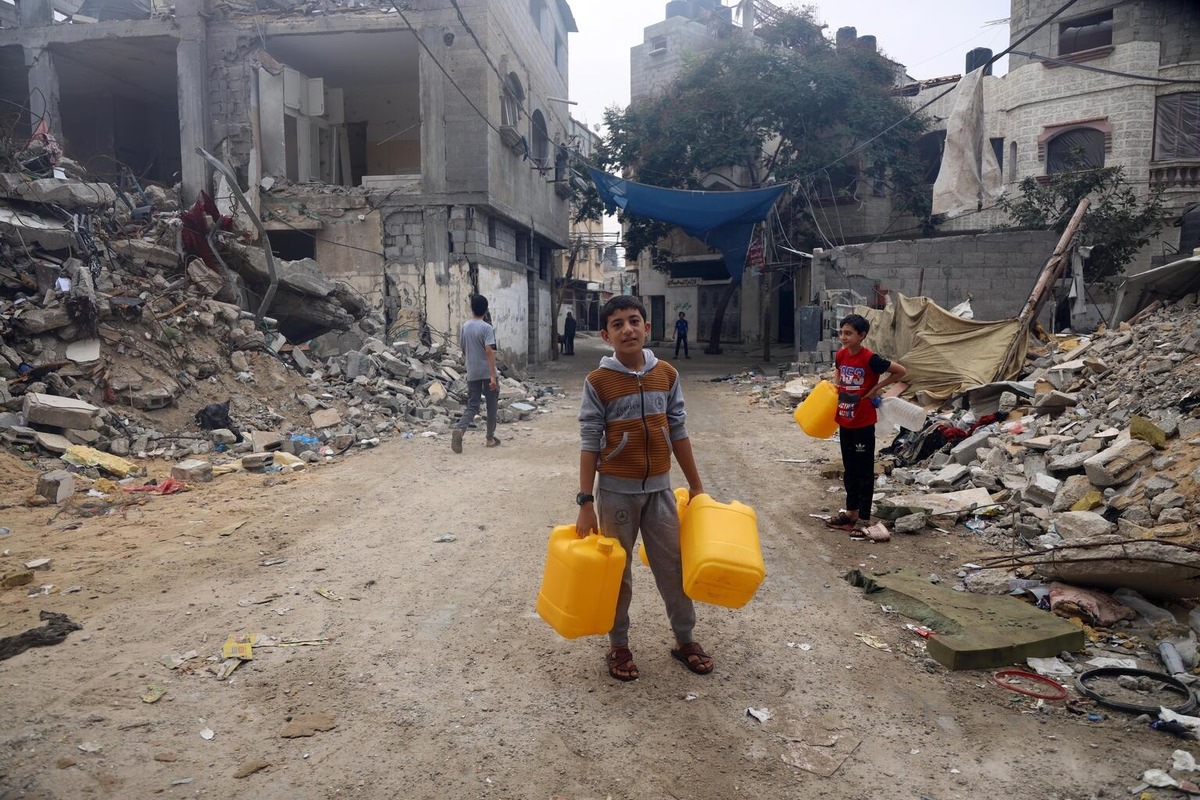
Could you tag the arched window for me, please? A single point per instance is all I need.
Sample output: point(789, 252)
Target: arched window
point(541, 139)
point(1012, 162)
point(511, 101)
point(1075, 150)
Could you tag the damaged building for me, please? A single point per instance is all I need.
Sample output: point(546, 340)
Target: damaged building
point(412, 151)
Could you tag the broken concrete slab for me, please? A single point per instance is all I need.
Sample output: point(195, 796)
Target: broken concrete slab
point(1042, 489)
point(40, 320)
point(972, 631)
point(53, 442)
point(193, 470)
point(1118, 464)
point(56, 486)
point(1075, 525)
point(325, 418)
point(266, 441)
point(949, 504)
point(968, 449)
point(58, 412)
point(145, 251)
point(30, 228)
point(85, 351)
point(67, 193)
point(1153, 567)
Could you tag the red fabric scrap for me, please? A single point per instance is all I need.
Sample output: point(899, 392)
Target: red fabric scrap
point(169, 486)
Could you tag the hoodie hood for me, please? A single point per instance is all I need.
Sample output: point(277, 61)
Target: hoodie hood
point(611, 362)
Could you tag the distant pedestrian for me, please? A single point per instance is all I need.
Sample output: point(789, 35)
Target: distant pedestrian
point(478, 342)
point(569, 334)
point(857, 373)
point(681, 335)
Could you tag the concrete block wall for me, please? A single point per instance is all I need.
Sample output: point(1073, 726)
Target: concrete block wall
point(998, 270)
point(651, 74)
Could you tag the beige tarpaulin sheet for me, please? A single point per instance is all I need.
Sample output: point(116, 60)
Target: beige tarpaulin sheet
point(969, 178)
point(945, 355)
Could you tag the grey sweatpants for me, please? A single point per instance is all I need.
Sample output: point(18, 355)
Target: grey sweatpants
point(476, 390)
point(621, 516)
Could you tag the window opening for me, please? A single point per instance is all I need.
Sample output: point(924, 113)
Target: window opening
point(929, 149)
point(1074, 151)
point(1177, 126)
point(541, 140)
point(1012, 161)
point(511, 101)
point(491, 231)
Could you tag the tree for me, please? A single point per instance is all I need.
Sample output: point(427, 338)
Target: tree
point(1118, 223)
point(788, 107)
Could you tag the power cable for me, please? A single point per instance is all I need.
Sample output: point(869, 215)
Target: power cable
point(1101, 70)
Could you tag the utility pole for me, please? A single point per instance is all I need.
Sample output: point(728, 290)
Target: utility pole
point(749, 18)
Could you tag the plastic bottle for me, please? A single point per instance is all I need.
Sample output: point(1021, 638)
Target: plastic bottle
point(895, 411)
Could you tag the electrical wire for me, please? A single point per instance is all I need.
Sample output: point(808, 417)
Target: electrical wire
point(1101, 70)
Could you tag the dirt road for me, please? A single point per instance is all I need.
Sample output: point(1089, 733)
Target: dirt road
point(441, 680)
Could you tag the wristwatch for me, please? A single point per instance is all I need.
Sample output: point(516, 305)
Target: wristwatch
point(582, 498)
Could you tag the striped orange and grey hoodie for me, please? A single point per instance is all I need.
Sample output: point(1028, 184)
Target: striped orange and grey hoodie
point(630, 419)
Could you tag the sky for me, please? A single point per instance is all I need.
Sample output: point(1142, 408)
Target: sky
point(930, 37)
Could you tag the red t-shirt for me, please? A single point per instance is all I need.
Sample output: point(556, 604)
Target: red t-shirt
point(858, 374)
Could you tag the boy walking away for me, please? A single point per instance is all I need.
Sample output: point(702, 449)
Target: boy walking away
point(631, 419)
point(478, 342)
point(569, 335)
point(857, 373)
point(681, 335)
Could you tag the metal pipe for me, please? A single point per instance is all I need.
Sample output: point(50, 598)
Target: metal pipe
point(219, 165)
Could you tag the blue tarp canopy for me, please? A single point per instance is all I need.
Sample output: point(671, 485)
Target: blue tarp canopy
point(724, 220)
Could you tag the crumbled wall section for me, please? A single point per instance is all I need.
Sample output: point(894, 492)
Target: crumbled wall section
point(998, 270)
point(231, 68)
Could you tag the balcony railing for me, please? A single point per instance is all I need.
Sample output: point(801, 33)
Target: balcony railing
point(1182, 175)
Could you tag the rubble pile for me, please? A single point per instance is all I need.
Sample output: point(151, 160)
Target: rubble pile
point(1095, 447)
point(124, 319)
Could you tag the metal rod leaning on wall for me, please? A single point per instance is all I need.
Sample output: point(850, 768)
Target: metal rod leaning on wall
point(237, 192)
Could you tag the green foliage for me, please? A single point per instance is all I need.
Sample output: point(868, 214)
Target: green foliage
point(1117, 225)
point(779, 112)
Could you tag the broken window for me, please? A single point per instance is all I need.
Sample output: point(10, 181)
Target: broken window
point(929, 150)
point(1177, 126)
point(658, 45)
point(1074, 151)
point(1085, 33)
point(998, 149)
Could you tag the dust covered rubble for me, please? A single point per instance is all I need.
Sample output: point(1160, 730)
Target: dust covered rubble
point(111, 305)
point(1100, 436)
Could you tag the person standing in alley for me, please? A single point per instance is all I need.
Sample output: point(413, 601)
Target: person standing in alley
point(478, 342)
point(857, 373)
point(681, 335)
point(631, 420)
point(569, 335)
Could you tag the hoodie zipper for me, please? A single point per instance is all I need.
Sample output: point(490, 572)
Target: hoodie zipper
point(645, 429)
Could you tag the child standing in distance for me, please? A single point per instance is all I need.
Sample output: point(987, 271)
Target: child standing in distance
point(478, 342)
point(857, 373)
point(631, 420)
point(681, 335)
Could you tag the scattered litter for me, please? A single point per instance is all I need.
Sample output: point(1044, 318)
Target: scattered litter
point(445, 537)
point(1026, 683)
point(327, 594)
point(272, 562)
point(89, 747)
point(1183, 761)
point(239, 647)
point(760, 714)
point(805, 646)
point(1050, 667)
point(246, 602)
point(1159, 779)
point(872, 641)
point(169, 486)
point(920, 630)
point(207, 734)
point(177, 661)
point(154, 694)
point(182, 781)
point(38, 563)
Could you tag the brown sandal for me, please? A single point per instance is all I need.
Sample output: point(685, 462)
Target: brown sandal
point(620, 664)
point(692, 656)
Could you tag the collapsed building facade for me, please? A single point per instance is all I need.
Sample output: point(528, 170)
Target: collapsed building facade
point(415, 151)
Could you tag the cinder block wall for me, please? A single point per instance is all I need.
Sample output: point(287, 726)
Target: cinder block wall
point(997, 269)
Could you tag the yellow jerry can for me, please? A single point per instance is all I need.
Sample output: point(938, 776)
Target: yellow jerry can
point(580, 583)
point(817, 415)
point(722, 559)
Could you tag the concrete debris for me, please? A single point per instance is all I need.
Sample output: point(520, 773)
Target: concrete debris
point(113, 337)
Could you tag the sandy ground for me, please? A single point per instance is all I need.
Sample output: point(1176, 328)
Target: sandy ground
point(441, 680)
